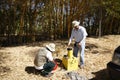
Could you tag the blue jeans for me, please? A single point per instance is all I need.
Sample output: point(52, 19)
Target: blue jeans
point(82, 50)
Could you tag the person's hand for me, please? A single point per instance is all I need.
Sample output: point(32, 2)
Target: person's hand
point(79, 44)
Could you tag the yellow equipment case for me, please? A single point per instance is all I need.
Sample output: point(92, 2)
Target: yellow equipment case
point(69, 61)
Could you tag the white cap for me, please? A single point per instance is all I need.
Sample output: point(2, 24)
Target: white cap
point(75, 23)
point(51, 46)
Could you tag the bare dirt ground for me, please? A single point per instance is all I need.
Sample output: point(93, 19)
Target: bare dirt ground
point(16, 63)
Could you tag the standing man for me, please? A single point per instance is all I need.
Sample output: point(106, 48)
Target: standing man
point(79, 34)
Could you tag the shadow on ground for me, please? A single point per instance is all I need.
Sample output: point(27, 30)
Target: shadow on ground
point(31, 69)
point(101, 75)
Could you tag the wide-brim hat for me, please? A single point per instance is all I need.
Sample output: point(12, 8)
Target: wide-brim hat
point(51, 46)
point(75, 23)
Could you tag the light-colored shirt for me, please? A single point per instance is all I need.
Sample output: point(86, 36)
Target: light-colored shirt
point(42, 56)
point(49, 56)
point(79, 35)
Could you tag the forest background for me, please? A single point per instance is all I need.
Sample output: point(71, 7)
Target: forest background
point(23, 21)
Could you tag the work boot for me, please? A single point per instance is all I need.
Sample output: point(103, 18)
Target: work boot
point(49, 75)
point(81, 66)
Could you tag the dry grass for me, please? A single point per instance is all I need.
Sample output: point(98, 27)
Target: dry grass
point(15, 62)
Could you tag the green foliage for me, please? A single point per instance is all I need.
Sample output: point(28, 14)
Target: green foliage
point(113, 8)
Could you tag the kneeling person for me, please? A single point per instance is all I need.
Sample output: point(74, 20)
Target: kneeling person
point(44, 61)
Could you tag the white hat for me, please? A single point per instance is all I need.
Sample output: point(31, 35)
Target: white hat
point(75, 23)
point(51, 46)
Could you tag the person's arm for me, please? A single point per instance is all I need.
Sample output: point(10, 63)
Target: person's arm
point(49, 56)
point(70, 40)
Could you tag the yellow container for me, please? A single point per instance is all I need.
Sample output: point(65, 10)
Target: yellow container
point(70, 52)
point(70, 63)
